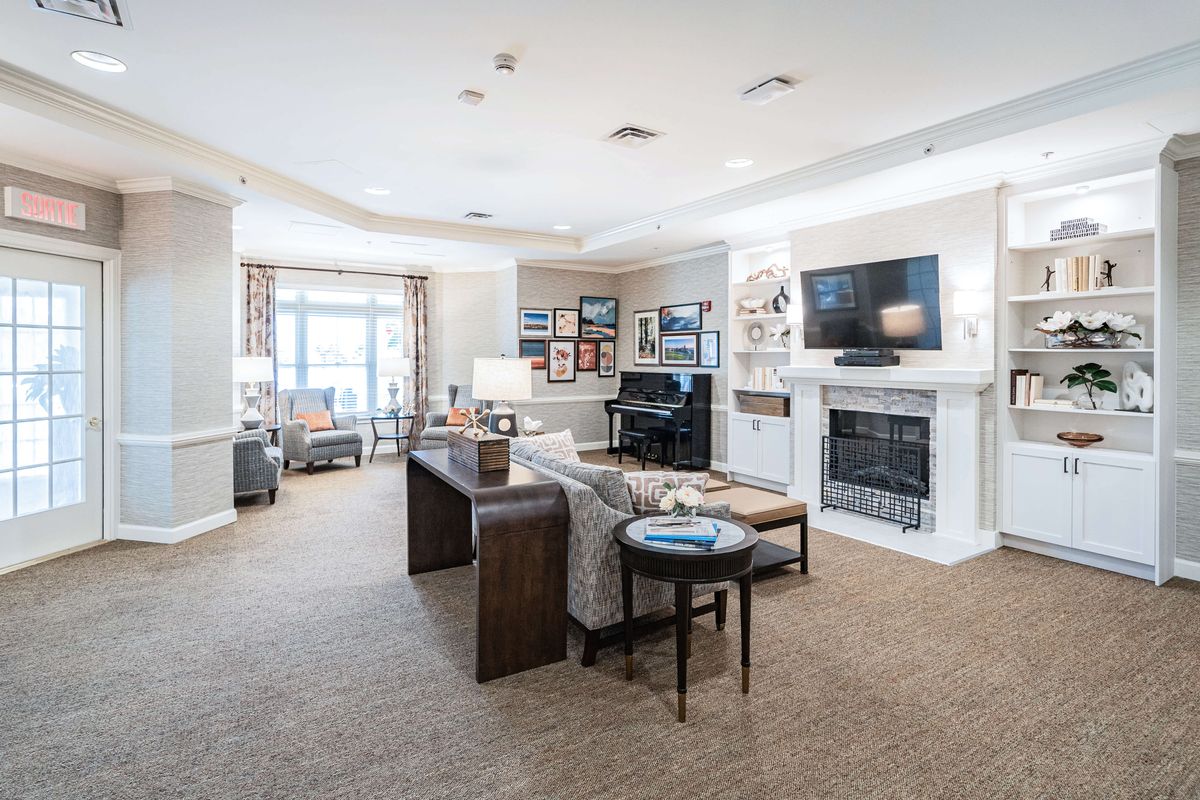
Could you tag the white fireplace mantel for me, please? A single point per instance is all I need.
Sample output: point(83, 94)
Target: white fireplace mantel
point(957, 535)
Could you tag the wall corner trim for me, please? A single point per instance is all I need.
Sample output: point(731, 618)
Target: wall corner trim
point(1187, 569)
point(167, 184)
point(150, 533)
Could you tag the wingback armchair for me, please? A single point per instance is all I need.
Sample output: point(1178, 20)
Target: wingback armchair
point(308, 447)
point(256, 465)
point(433, 436)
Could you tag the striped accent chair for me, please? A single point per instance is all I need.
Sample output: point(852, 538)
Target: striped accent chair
point(256, 465)
point(309, 447)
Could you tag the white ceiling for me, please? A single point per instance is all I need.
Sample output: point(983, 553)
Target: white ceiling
point(343, 96)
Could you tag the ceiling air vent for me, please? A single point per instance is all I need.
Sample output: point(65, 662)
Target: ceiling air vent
point(476, 215)
point(99, 10)
point(633, 136)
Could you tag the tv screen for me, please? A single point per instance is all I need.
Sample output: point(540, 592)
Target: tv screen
point(881, 304)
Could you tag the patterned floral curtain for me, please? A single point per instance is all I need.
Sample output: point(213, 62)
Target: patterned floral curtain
point(416, 388)
point(260, 328)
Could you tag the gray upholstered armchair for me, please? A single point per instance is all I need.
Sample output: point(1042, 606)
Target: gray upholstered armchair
point(256, 465)
point(308, 447)
point(433, 436)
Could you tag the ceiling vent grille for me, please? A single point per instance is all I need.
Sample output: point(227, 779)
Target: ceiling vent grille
point(633, 136)
point(476, 215)
point(99, 10)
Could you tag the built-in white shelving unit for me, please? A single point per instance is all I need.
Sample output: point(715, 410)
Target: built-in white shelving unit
point(1106, 507)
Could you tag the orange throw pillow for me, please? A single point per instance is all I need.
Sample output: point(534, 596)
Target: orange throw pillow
point(317, 421)
point(458, 416)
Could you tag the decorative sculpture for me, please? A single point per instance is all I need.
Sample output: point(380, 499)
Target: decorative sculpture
point(1106, 274)
point(1137, 388)
point(1049, 274)
point(475, 426)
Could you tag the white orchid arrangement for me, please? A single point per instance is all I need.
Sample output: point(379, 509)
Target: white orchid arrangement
point(1084, 328)
point(681, 501)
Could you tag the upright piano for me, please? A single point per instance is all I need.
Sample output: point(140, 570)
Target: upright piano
point(675, 405)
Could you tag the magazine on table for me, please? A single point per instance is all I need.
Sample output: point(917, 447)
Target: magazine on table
point(701, 534)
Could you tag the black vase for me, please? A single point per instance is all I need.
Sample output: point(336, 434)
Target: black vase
point(780, 303)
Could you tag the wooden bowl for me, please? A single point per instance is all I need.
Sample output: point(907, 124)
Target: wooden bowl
point(1076, 439)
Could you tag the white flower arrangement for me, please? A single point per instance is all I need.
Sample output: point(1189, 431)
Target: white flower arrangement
point(1087, 329)
point(681, 501)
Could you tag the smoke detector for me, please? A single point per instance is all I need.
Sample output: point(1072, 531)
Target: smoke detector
point(470, 98)
point(505, 63)
point(767, 91)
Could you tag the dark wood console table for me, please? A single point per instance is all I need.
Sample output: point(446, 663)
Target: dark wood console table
point(521, 518)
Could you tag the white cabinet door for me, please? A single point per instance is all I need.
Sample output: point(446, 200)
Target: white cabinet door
point(1114, 505)
point(743, 444)
point(1039, 493)
point(775, 448)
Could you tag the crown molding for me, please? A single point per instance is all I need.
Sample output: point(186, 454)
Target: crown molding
point(567, 265)
point(145, 185)
point(58, 171)
point(674, 258)
point(1180, 147)
point(1115, 160)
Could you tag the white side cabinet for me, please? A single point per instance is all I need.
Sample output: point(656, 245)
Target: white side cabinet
point(760, 447)
point(1101, 501)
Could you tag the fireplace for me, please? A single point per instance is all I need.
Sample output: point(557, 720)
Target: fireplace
point(895, 428)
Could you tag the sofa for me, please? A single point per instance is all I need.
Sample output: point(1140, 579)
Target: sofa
point(309, 447)
point(433, 436)
point(598, 499)
point(256, 465)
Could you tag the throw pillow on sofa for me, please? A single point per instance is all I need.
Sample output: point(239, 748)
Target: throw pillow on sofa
point(559, 445)
point(646, 489)
point(317, 420)
point(607, 482)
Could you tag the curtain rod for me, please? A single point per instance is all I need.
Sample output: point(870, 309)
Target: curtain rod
point(339, 271)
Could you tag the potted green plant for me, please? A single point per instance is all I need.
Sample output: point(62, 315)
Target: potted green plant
point(1093, 378)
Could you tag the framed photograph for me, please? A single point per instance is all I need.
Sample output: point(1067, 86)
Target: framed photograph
point(535, 322)
point(678, 349)
point(598, 317)
point(710, 348)
point(645, 339)
point(560, 361)
point(683, 317)
point(608, 359)
point(535, 351)
point(566, 323)
point(587, 356)
point(834, 291)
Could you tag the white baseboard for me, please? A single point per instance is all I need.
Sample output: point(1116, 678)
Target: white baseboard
point(1131, 568)
point(750, 480)
point(150, 533)
point(1187, 569)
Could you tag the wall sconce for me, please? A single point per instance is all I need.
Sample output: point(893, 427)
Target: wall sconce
point(966, 305)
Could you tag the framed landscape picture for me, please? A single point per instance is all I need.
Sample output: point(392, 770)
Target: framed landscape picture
point(535, 351)
point(566, 322)
point(586, 356)
point(560, 361)
point(710, 348)
point(678, 350)
point(535, 322)
point(608, 359)
point(645, 339)
point(598, 317)
point(683, 317)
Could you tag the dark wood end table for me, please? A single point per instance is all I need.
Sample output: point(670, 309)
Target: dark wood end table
point(732, 559)
point(397, 436)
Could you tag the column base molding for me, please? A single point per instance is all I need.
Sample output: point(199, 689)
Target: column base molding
point(150, 533)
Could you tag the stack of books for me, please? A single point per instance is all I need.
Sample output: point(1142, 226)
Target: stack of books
point(1024, 387)
point(1076, 274)
point(765, 379)
point(688, 534)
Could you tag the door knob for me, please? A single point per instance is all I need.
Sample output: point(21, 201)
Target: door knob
point(95, 423)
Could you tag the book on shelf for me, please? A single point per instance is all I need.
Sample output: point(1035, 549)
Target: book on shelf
point(1013, 391)
point(1035, 388)
point(1054, 401)
point(1076, 274)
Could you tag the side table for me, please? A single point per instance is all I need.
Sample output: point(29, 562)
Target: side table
point(395, 436)
point(272, 431)
point(731, 559)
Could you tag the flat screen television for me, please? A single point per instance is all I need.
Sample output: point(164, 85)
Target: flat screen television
point(892, 304)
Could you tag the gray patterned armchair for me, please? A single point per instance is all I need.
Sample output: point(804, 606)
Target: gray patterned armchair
point(433, 436)
point(256, 465)
point(309, 447)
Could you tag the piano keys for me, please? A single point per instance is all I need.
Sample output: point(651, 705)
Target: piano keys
point(671, 405)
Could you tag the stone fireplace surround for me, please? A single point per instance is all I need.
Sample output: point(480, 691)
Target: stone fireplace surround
point(950, 397)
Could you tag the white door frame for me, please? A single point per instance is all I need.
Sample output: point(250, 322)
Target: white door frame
point(110, 261)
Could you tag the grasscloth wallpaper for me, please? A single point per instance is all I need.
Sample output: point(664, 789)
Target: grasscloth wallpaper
point(103, 208)
point(1187, 486)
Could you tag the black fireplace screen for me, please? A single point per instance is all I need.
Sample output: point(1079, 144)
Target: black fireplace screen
point(875, 477)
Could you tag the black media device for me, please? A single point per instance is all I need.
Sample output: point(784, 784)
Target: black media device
point(867, 358)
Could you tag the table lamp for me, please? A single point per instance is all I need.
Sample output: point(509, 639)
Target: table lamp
point(253, 370)
point(502, 379)
point(393, 367)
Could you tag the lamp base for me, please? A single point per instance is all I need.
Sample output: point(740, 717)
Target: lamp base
point(252, 419)
point(393, 406)
point(503, 420)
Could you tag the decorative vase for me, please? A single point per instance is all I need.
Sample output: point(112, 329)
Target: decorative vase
point(781, 301)
point(1105, 339)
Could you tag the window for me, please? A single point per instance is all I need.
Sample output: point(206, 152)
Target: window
point(330, 338)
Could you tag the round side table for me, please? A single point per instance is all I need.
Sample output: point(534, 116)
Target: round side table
point(396, 437)
point(731, 559)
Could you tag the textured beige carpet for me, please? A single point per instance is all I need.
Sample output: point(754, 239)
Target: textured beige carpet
point(289, 656)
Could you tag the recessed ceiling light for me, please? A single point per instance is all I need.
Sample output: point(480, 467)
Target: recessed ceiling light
point(562, 227)
point(1082, 189)
point(378, 191)
point(98, 61)
point(739, 163)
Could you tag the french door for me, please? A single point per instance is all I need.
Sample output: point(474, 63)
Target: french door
point(51, 396)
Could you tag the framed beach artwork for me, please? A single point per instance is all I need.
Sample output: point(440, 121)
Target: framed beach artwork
point(645, 339)
point(608, 359)
point(560, 362)
point(678, 350)
point(535, 322)
point(535, 351)
point(683, 317)
point(598, 317)
point(587, 356)
point(710, 348)
point(566, 322)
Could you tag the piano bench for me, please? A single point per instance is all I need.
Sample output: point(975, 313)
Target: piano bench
point(637, 439)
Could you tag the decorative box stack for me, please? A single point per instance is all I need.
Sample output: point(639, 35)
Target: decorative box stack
point(487, 453)
point(1075, 228)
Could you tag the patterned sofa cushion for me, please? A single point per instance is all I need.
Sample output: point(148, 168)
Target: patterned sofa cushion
point(334, 437)
point(560, 445)
point(607, 482)
point(438, 433)
point(646, 489)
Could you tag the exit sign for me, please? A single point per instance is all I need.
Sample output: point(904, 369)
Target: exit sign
point(37, 207)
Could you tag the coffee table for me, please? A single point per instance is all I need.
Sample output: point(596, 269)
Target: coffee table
point(731, 559)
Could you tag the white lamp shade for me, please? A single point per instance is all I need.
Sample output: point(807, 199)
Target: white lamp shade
point(253, 369)
point(394, 367)
point(502, 379)
point(795, 314)
point(903, 321)
point(966, 304)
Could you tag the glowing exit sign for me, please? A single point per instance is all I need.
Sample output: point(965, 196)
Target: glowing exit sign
point(37, 207)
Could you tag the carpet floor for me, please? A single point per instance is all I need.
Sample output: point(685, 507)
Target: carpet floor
point(290, 656)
